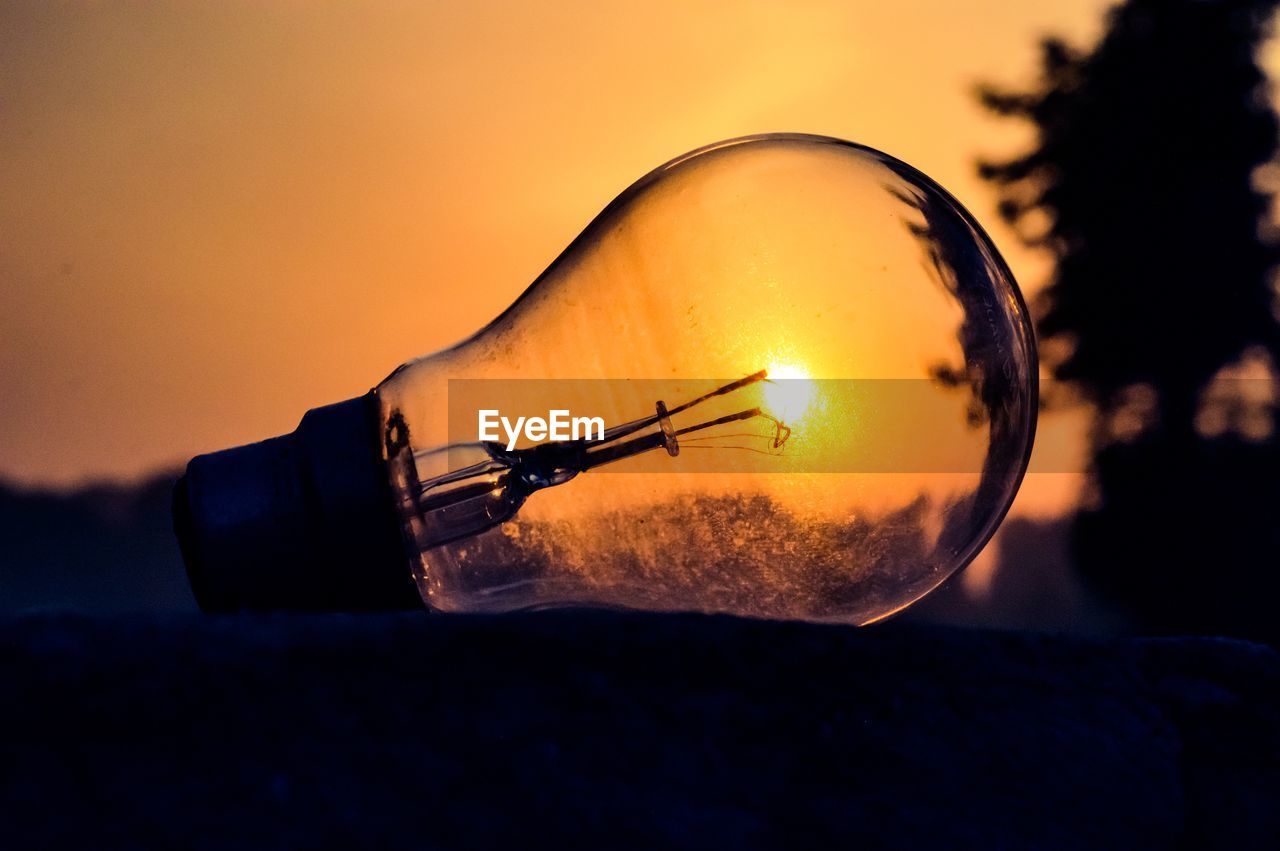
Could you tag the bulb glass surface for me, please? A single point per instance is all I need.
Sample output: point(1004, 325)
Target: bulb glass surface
point(887, 326)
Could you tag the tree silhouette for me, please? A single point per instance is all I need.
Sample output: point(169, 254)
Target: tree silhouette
point(1143, 188)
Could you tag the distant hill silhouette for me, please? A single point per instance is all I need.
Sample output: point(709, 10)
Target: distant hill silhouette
point(101, 549)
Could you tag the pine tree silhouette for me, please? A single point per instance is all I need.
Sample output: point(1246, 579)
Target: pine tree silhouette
point(1143, 188)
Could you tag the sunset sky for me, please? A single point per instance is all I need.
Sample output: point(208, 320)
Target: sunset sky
point(214, 216)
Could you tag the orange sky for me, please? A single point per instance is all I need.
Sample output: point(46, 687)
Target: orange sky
point(214, 216)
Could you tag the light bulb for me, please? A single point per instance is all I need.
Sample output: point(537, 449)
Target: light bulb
point(780, 376)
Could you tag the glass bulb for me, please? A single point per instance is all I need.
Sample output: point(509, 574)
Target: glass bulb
point(880, 320)
point(815, 386)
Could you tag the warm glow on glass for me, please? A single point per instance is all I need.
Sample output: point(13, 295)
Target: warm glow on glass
point(818, 380)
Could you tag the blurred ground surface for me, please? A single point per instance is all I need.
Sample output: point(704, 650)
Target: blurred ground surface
point(608, 730)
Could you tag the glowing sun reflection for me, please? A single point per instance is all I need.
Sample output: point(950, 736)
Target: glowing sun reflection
point(789, 393)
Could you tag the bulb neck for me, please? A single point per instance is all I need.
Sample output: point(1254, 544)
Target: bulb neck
point(301, 522)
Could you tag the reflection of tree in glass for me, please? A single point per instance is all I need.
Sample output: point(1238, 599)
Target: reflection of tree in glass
point(987, 371)
point(993, 357)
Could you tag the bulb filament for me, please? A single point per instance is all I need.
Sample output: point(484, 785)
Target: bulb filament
point(482, 495)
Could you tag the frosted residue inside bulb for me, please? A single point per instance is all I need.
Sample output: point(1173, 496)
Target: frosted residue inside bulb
point(872, 456)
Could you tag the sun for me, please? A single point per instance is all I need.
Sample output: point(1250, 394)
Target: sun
point(789, 392)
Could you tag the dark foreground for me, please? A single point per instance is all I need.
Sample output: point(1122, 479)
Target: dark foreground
point(603, 730)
